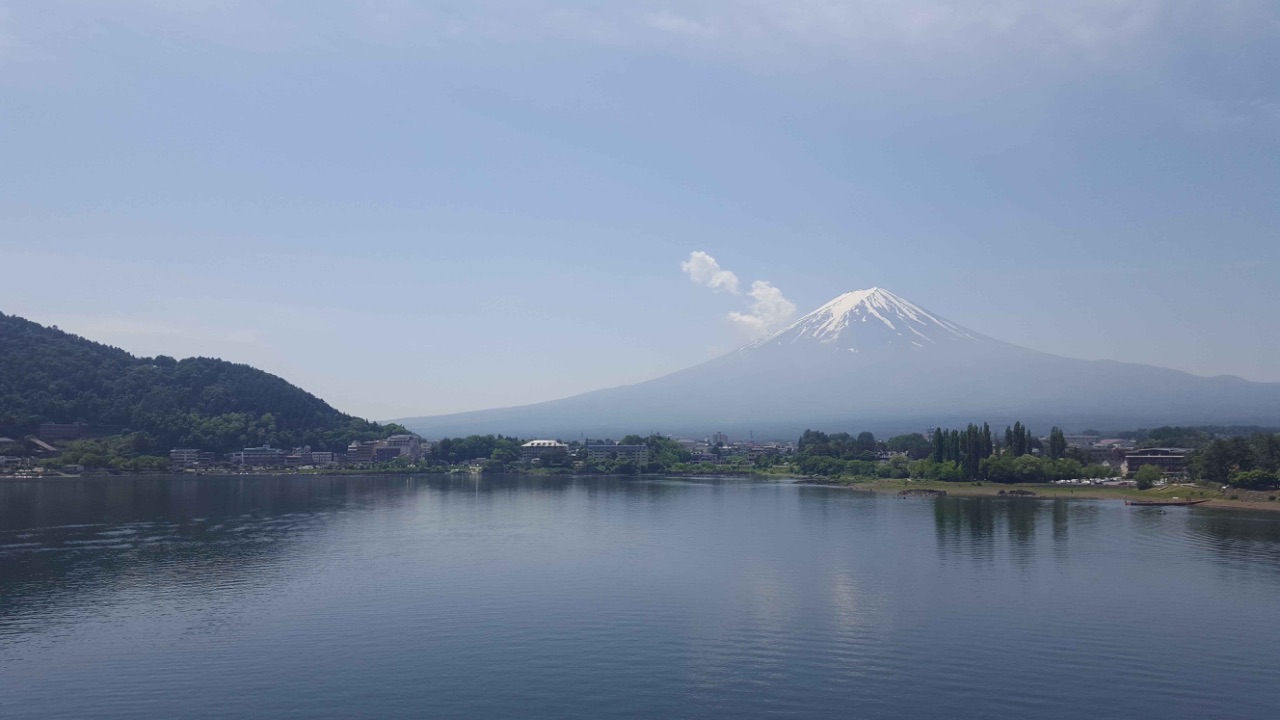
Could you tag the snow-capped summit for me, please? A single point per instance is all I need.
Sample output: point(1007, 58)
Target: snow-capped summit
point(869, 319)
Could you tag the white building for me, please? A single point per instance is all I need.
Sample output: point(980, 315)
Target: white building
point(638, 454)
point(184, 457)
point(265, 456)
point(537, 449)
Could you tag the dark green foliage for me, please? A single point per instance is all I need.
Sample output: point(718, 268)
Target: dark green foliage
point(966, 448)
point(1057, 443)
point(842, 446)
point(830, 466)
point(931, 470)
point(460, 451)
point(1178, 437)
point(47, 375)
point(1018, 439)
point(1098, 470)
point(133, 452)
point(971, 454)
point(1255, 480)
point(1225, 460)
point(1265, 448)
point(1147, 476)
point(1220, 459)
point(1009, 468)
point(837, 454)
point(915, 446)
point(1191, 437)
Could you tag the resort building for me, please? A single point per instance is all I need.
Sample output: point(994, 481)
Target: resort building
point(64, 432)
point(638, 454)
point(55, 432)
point(265, 456)
point(1171, 461)
point(184, 457)
point(410, 445)
point(361, 452)
point(1111, 455)
point(539, 449)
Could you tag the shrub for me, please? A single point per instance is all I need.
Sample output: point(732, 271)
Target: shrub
point(1255, 480)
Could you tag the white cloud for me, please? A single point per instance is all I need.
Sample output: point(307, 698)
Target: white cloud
point(770, 311)
point(678, 24)
point(704, 270)
point(934, 35)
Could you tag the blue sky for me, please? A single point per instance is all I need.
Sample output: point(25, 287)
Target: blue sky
point(411, 208)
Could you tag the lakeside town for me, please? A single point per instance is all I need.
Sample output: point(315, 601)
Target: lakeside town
point(1108, 458)
point(405, 450)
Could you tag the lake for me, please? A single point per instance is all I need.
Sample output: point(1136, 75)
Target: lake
point(509, 597)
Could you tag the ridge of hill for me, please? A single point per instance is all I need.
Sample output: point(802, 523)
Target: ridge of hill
point(47, 375)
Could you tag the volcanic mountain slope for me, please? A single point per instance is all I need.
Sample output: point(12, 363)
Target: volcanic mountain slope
point(872, 360)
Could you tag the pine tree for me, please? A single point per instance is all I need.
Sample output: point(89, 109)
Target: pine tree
point(1057, 443)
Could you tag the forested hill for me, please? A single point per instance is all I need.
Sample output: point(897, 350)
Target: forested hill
point(47, 375)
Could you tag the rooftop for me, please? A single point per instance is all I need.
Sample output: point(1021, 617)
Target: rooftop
point(544, 444)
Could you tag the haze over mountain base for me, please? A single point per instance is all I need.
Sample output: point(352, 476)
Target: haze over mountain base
point(870, 360)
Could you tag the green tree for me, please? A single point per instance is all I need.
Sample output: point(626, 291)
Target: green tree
point(1057, 443)
point(1147, 476)
point(914, 445)
point(1221, 458)
point(1255, 480)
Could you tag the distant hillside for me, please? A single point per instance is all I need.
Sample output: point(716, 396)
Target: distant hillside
point(871, 360)
point(47, 375)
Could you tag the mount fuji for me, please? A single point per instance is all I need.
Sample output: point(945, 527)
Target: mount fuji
point(866, 321)
point(871, 360)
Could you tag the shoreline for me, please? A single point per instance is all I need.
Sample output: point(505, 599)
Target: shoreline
point(1244, 500)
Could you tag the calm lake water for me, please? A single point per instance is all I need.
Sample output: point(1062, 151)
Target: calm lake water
point(606, 598)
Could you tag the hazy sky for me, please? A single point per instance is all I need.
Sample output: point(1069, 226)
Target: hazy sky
point(409, 208)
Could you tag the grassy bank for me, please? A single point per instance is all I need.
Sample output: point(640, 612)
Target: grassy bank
point(1216, 498)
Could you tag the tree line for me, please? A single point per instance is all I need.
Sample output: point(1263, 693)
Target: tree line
point(1252, 463)
point(973, 453)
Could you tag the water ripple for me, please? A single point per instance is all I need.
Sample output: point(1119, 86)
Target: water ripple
point(336, 598)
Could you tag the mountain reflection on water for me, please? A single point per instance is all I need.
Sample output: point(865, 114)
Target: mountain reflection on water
point(461, 596)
